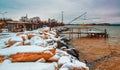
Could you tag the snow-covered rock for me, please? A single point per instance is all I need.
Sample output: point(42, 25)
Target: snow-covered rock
point(37, 46)
point(64, 59)
point(16, 39)
point(36, 40)
point(6, 61)
point(21, 49)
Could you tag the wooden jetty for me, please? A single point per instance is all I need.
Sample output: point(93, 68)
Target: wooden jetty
point(88, 31)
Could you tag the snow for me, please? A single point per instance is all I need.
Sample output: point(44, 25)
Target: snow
point(68, 65)
point(16, 44)
point(16, 39)
point(79, 64)
point(55, 57)
point(25, 36)
point(52, 37)
point(41, 60)
point(95, 32)
point(20, 49)
point(58, 55)
point(61, 53)
point(69, 62)
point(35, 31)
point(37, 44)
point(49, 40)
point(64, 69)
point(54, 45)
point(63, 60)
point(76, 64)
point(2, 45)
point(6, 61)
point(26, 41)
point(3, 42)
point(6, 35)
point(48, 52)
point(54, 33)
point(27, 66)
point(36, 40)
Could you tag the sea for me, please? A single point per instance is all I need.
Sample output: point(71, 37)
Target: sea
point(113, 31)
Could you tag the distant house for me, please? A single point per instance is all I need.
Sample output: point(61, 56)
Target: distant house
point(35, 20)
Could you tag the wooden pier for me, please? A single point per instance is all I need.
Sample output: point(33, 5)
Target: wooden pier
point(88, 31)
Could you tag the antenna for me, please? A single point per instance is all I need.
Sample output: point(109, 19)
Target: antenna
point(62, 16)
point(26, 15)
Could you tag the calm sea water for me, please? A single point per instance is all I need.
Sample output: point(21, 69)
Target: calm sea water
point(114, 33)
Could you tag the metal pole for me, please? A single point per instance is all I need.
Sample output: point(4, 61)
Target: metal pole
point(62, 16)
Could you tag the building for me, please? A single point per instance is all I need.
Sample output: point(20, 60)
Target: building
point(34, 20)
point(24, 18)
point(18, 26)
point(28, 24)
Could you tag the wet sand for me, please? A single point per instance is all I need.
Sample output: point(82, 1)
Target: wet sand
point(100, 52)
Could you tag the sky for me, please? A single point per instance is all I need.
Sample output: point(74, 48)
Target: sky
point(107, 11)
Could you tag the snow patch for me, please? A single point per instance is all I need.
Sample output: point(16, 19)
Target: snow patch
point(20, 49)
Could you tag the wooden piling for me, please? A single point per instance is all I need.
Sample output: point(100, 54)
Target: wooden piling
point(72, 33)
point(78, 32)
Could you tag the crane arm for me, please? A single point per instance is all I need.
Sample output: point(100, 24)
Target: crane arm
point(77, 17)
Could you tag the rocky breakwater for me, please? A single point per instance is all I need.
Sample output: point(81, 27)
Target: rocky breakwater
point(43, 47)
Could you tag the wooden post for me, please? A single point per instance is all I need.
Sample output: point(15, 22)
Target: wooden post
point(69, 34)
point(106, 35)
point(72, 33)
point(79, 32)
point(88, 30)
point(24, 29)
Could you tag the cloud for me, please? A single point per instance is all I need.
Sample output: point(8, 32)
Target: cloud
point(52, 8)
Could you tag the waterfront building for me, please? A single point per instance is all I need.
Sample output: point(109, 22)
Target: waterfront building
point(34, 20)
point(18, 26)
point(24, 18)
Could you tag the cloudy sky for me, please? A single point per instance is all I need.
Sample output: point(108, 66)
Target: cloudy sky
point(97, 10)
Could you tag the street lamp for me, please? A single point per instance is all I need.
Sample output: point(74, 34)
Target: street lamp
point(3, 15)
